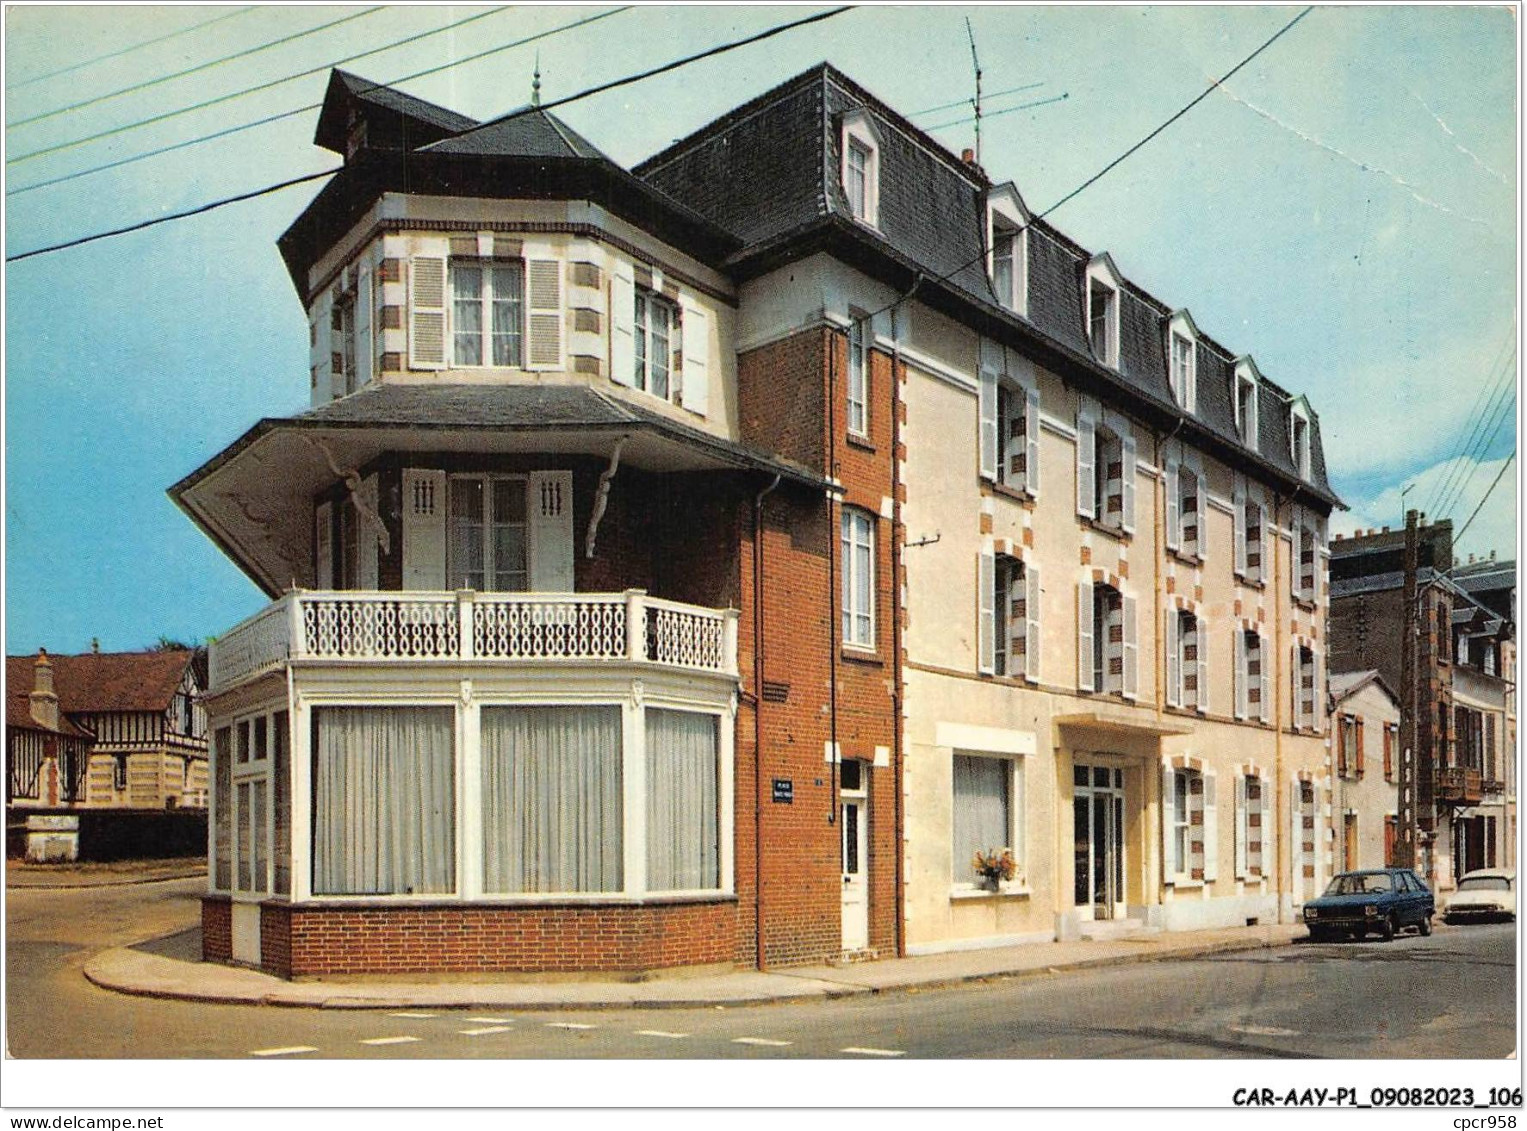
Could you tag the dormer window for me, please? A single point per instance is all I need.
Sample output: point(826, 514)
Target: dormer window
point(1299, 440)
point(861, 167)
point(1246, 424)
point(1182, 360)
point(1102, 296)
point(1007, 236)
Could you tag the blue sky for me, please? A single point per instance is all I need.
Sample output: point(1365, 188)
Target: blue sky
point(1344, 211)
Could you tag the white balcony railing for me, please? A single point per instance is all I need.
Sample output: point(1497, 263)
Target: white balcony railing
point(473, 627)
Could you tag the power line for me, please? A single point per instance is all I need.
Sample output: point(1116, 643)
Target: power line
point(181, 74)
point(128, 50)
point(1478, 455)
point(311, 106)
point(600, 89)
point(168, 114)
point(1115, 163)
point(1459, 536)
point(1478, 419)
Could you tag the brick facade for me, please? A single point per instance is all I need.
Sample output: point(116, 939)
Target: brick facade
point(216, 929)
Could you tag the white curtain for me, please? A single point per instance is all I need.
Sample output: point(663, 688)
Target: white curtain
point(551, 805)
point(980, 811)
point(384, 805)
point(683, 852)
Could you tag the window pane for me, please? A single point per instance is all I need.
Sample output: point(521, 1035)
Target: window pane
point(510, 555)
point(508, 315)
point(551, 783)
point(466, 549)
point(281, 801)
point(662, 349)
point(641, 340)
point(222, 794)
point(466, 295)
point(982, 820)
point(260, 838)
point(1002, 268)
point(241, 796)
point(384, 800)
point(683, 846)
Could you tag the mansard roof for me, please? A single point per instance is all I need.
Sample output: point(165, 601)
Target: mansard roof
point(526, 132)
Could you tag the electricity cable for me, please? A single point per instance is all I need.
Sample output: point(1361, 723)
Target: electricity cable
point(72, 67)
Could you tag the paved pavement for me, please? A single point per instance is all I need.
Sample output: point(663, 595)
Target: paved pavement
point(20, 874)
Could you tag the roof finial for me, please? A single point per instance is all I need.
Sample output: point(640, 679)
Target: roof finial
point(535, 83)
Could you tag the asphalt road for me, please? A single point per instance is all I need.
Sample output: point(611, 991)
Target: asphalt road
point(1451, 995)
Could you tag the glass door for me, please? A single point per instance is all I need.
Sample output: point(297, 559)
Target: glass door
point(1098, 841)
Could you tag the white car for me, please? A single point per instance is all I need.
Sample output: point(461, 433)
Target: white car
point(1489, 893)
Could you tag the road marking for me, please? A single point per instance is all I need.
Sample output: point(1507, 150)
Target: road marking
point(388, 1040)
point(569, 1025)
point(491, 1020)
point(288, 1051)
point(759, 1041)
point(415, 1016)
point(1264, 1031)
point(661, 1033)
point(873, 1052)
point(486, 1029)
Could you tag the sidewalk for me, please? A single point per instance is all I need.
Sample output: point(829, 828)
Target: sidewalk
point(20, 874)
point(143, 972)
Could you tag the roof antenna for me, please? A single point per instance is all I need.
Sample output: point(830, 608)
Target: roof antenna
point(976, 62)
point(535, 83)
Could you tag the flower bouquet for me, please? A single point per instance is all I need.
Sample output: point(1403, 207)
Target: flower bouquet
point(994, 865)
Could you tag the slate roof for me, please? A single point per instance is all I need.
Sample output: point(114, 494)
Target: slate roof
point(768, 171)
point(531, 132)
point(96, 682)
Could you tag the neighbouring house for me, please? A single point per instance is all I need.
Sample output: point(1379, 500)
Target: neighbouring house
point(1365, 771)
point(1483, 834)
point(650, 587)
point(103, 731)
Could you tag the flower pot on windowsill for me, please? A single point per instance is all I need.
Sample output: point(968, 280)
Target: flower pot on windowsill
point(991, 883)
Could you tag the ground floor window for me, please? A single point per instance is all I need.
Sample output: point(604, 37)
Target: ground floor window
point(384, 800)
point(683, 829)
point(987, 798)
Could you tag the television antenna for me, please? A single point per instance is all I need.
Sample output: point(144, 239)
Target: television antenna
point(976, 102)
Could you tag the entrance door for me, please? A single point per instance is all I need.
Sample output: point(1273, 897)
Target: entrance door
point(856, 903)
point(1098, 822)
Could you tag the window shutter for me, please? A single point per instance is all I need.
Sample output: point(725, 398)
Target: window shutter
point(364, 353)
point(1201, 513)
point(1032, 628)
point(1173, 658)
point(1131, 651)
point(1242, 826)
point(367, 534)
point(1358, 739)
point(1031, 439)
point(986, 623)
point(1265, 683)
point(1295, 565)
point(1168, 833)
point(988, 423)
point(544, 291)
point(1242, 676)
point(1319, 530)
point(1269, 830)
point(427, 302)
point(1296, 841)
point(323, 546)
point(1084, 630)
point(1128, 447)
point(622, 324)
point(551, 531)
point(1239, 506)
point(694, 392)
point(1201, 639)
point(1297, 706)
point(423, 529)
point(1086, 462)
point(1211, 826)
point(1173, 522)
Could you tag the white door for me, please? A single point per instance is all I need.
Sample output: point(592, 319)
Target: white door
point(856, 904)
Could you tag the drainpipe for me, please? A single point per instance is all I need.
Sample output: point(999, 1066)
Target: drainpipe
point(1160, 604)
point(758, 702)
point(898, 689)
point(1277, 715)
point(832, 575)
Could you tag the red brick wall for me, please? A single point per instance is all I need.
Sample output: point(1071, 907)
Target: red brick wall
point(276, 939)
point(465, 938)
point(216, 929)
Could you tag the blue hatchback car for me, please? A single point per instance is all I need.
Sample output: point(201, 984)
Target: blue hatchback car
point(1382, 901)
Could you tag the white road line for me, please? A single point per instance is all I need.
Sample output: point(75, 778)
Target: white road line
point(486, 1029)
point(288, 1051)
point(569, 1025)
point(416, 1016)
point(1264, 1031)
point(873, 1052)
point(661, 1033)
point(388, 1040)
point(759, 1041)
point(491, 1020)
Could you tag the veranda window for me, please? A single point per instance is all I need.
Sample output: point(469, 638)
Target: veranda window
point(384, 800)
point(683, 849)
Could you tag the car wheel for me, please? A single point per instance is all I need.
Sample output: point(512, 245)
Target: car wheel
point(1389, 928)
point(1425, 925)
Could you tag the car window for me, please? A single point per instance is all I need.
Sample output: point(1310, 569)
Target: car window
point(1484, 883)
point(1377, 884)
point(1360, 884)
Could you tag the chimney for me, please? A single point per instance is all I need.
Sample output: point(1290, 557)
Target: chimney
point(1386, 530)
point(1471, 559)
point(95, 645)
point(44, 700)
point(968, 156)
point(1492, 555)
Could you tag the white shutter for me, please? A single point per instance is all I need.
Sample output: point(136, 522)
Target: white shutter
point(543, 278)
point(1242, 677)
point(1031, 439)
point(323, 546)
point(1032, 628)
point(551, 531)
point(426, 311)
point(1201, 639)
point(695, 391)
point(1086, 462)
point(1211, 826)
point(1319, 721)
point(1084, 631)
point(1239, 504)
point(423, 529)
point(1173, 657)
point(1173, 521)
point(364, 303)
point(1128, 448)
point(318, 354)
point(1296, 703)
point(1265, 658)
point(1242, 826)
point(1131, 651)
point(1320, 569)
point(366, 533)
point(622, 324)
point(1168, 834)
point(988, 423)
point(1201, 512)
point(986, 622)
point(1295, 566)
point(1295, 843)
point(1269, 831)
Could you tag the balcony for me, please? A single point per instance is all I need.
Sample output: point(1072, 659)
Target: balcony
point(399, 628)
point(1459, 786)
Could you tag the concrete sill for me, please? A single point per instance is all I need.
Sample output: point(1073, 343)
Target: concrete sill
point(1007, 891)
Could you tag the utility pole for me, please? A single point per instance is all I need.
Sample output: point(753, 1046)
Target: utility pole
point(1405, 850)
